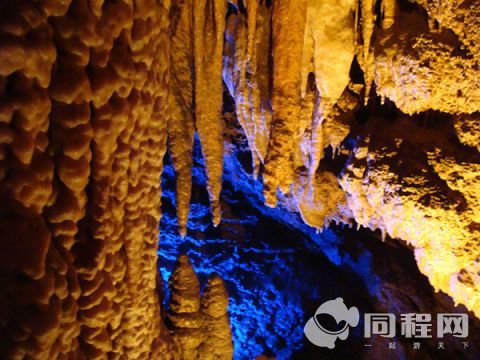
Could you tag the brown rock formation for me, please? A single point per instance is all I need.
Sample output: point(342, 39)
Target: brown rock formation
point(420, 70)
point(421, 61)
point(82, 102)
point(184, 304)
point(209, 26)
point(217, 343)
point(200, 327)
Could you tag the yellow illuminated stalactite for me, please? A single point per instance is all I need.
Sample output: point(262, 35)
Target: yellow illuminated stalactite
point(209, 26)
point(310, 102)
point(180, 119)
point(287, 43)
point(245, 57)
point(247, 75)
point(332, 59)
point(368, 17)
point(89, 90)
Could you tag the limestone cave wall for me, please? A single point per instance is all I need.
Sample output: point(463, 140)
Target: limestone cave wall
point(83, 98)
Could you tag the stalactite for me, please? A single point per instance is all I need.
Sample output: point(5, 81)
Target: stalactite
point(246, 86)
point(368, 23)
point(332, 58)
point(287, 43)
point(337, 125)
point(209, 26)
point(252, 9)
point(319, 202)
point(309, 101)
point(321, 79)
point(234, 73)
point(180, 122)
point(262, 92)
point(317, 148)
point(246, 74)
point(389, 10)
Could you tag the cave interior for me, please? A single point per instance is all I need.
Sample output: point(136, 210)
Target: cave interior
point(192, 179)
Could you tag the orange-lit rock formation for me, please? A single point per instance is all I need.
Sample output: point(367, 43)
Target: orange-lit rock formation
point(217, 341)
point(184, 304)
point(421, 58)
point(421, 186)
point(201, 328)
point(196, 60)
point(83, 99)
point(90, 90)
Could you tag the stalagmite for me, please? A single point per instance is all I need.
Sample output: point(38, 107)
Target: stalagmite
point(184, 305)
point(209, 26)
point(180, 122)
point(200, 327)
point(214, 307)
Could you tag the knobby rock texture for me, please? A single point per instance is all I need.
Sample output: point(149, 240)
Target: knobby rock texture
point(91, 91)
point(83, 98)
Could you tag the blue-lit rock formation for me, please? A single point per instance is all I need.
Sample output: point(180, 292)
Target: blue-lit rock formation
point(278, 270)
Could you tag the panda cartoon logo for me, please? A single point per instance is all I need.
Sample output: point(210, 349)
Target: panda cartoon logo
point(339, 318)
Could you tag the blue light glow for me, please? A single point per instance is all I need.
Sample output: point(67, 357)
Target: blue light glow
point(273, 264)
